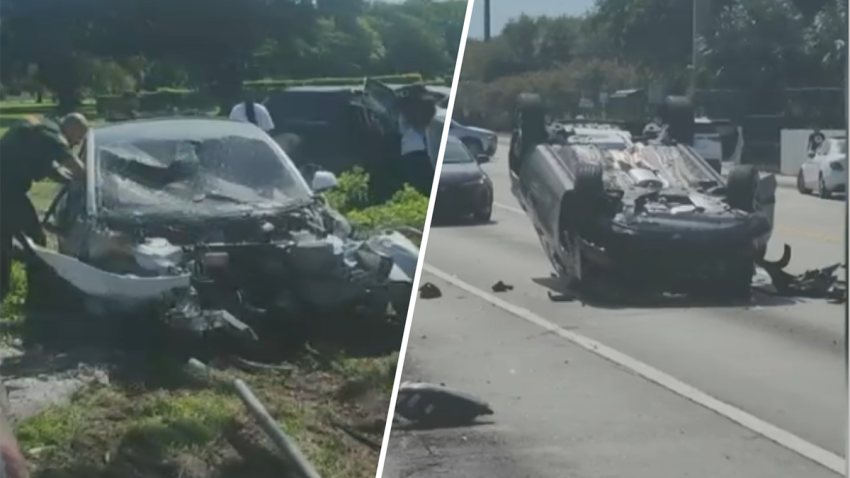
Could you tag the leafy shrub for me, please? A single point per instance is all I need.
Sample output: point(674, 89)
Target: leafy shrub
point(491, 104)
point(271, 85)
point(407, 207)
point(180, 99)
point(352, 192)
point(13, 307)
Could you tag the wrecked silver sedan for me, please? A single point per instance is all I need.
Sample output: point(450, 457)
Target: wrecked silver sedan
point(652, 217)
point(209, 225)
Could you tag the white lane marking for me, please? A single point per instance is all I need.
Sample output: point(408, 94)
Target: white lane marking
point(784, 438)
point(509, 208)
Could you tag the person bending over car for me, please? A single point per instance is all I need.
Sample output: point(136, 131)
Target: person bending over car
point(29, 151)
point(33, 150)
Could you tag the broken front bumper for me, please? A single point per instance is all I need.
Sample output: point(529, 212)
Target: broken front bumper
point(321, 275)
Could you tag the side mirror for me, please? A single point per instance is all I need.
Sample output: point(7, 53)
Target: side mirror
point(482, 158)
point(324, 181)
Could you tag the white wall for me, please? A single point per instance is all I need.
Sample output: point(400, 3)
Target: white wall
point(792, 148)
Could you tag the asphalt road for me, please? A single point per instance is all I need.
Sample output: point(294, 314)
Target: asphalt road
point(693, 391)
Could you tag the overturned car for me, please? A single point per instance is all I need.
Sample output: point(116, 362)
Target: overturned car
point(654, 216)
point(207, 223)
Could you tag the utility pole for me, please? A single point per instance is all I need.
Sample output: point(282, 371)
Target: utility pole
point(486, 20)
point(700, 26)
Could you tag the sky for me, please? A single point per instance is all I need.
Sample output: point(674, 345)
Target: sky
point(503, 10)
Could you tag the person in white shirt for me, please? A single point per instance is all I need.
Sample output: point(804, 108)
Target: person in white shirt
point(250, 111)
point(415, 165)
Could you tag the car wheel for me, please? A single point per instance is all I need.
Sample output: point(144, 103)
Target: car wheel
point(532, 120)
point(484, 215)
point(801, 183)
point(823, 192)
point(742, 187)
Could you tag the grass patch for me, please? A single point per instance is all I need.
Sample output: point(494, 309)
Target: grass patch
point(119, 430)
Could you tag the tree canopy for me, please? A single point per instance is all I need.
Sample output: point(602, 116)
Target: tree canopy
point(749, 45)
point(114, 46)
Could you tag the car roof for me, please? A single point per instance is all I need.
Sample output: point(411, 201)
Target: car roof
point(175, 128)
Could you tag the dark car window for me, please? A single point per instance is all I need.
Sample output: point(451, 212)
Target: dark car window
point(456, 152)
point(318, 106)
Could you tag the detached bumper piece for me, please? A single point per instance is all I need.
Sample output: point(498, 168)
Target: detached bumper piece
point(824, 283)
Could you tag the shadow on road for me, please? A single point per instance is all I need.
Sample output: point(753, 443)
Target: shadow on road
point(623, 300)
point(458, 222)
point(446, 426)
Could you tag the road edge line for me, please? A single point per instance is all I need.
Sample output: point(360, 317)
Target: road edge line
point(788, 440)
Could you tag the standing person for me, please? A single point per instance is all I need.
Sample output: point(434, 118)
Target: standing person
point(417, 113)
point(31, 151)
point(250, 111)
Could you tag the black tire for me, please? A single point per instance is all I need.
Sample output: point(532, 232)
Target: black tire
point(823, 192)
point(532, 118)
point(483, 216)
point(801, 184)
point(742, 188)
point(588, 181)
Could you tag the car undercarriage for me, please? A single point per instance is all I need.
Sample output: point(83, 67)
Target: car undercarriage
point(654, 217)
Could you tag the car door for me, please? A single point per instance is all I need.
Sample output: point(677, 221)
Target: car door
point(383, 95)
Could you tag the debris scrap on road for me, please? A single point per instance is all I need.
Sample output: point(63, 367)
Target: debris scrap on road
point(432, 405)
point(429, 291)
point(502, 287)
point(822, 283)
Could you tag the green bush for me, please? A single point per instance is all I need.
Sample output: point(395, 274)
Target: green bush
point(407, 207)
point(491, 104)
point(13, 307)
point(352, 191)
point(271, 85)
point(180, 99)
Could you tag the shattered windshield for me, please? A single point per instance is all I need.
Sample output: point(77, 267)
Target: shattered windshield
point(201, 175)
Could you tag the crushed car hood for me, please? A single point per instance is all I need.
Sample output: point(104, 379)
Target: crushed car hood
point(663, 180)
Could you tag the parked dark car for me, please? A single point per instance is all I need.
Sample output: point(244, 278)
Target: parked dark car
point(655, 216)
point(465, 189)
point(338, 128)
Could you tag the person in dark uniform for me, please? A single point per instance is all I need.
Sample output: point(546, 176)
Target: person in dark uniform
point(31, 151)
point(417, 111)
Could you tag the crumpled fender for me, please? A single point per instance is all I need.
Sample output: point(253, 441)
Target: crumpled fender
point(403, 252)
point(106, 285)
